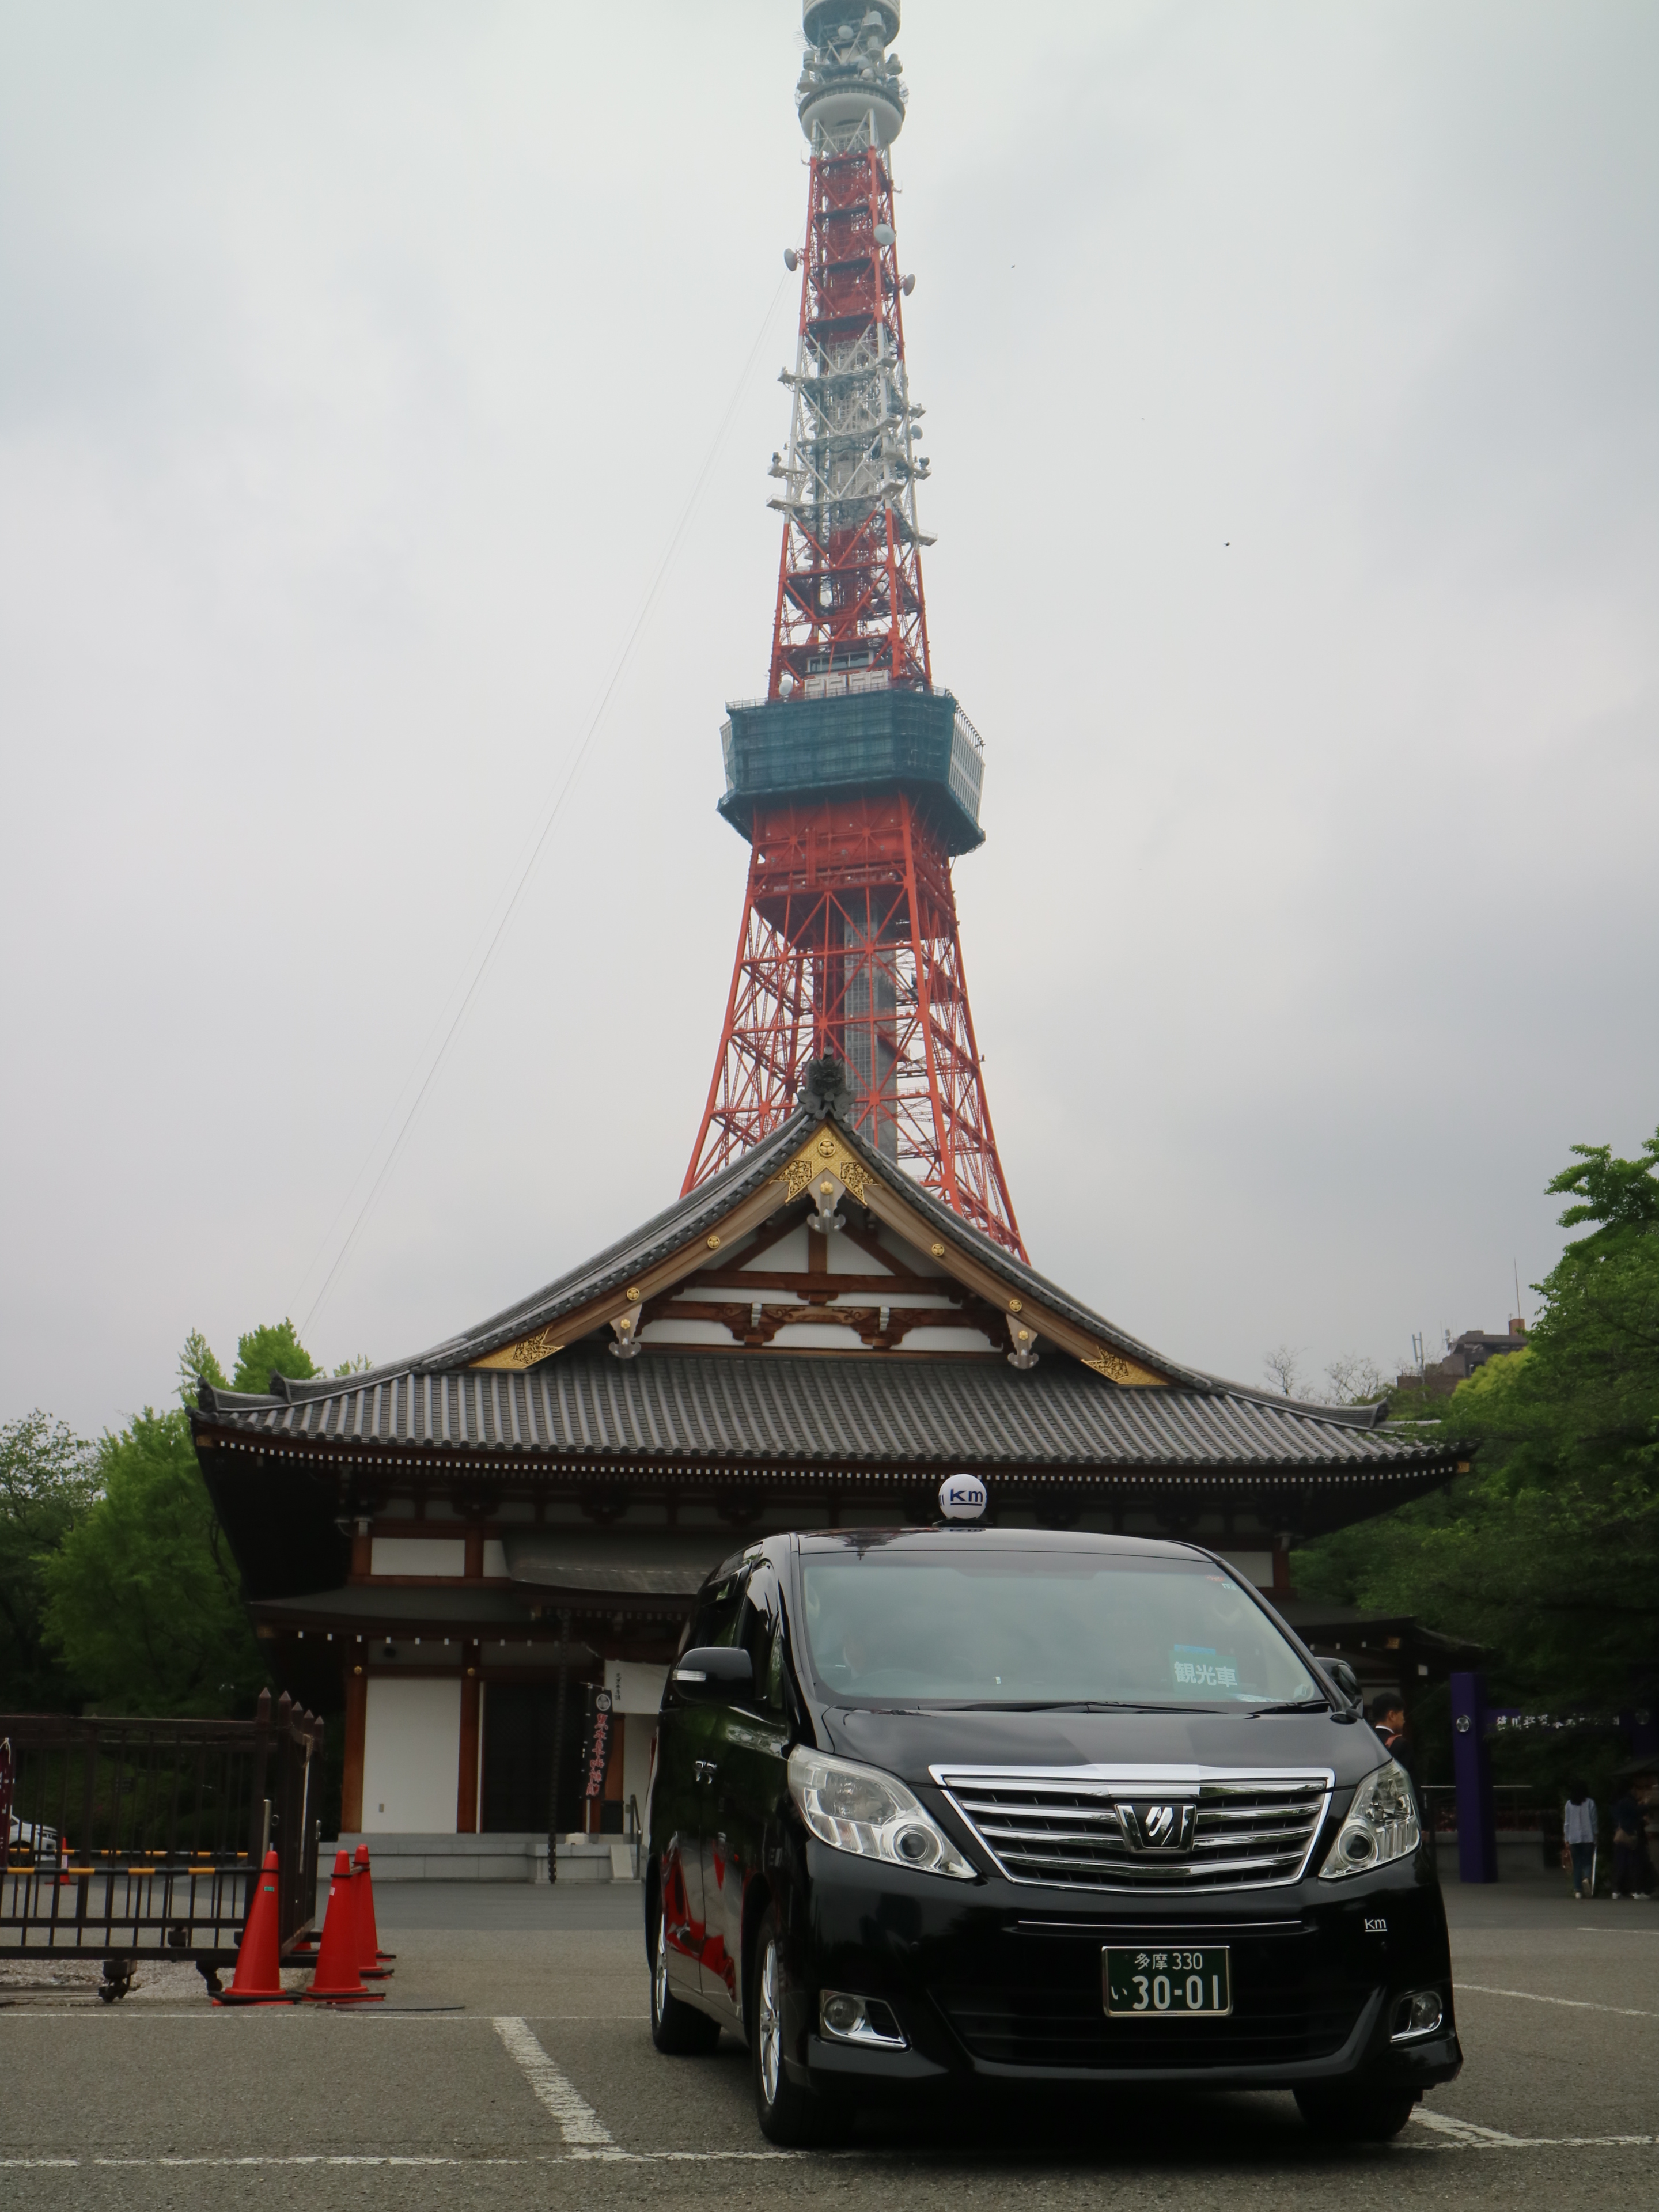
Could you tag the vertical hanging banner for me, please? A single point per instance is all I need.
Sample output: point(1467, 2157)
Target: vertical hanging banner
point(596, 1743)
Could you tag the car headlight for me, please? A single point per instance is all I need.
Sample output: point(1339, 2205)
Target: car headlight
point(860, 1809)
point(1382, 1825)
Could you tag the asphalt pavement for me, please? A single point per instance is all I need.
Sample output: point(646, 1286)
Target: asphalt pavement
point(512, 2063)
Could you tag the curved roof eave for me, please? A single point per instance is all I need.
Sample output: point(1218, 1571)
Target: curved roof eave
point(687, 1220)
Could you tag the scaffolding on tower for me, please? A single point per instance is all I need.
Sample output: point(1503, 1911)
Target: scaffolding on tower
point(856, 780)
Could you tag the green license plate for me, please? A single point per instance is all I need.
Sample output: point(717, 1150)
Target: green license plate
point(1158, 1981)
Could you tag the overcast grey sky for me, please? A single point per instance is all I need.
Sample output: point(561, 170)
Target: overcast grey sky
point(1292, 377)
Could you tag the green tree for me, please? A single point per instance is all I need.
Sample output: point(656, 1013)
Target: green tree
point(142, 1594)
point(196, 1365)
point(47, 1486)
point(273, 1350)
point(1548, 1551)
point(1618, 1195)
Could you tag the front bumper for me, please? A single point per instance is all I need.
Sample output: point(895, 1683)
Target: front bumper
point(997, 1981)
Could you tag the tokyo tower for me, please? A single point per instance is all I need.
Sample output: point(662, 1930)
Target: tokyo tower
point(856, 780)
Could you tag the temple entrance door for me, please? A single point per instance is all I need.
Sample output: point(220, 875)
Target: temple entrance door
point(519, 1722)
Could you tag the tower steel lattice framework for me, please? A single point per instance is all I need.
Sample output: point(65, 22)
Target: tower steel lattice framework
point(855, 780)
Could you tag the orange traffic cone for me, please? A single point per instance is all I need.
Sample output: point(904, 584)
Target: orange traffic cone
point(373, 1963)
point(337, 1980)
point(258, 1970)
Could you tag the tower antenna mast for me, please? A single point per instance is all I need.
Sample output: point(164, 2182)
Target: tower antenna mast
point(856, 779)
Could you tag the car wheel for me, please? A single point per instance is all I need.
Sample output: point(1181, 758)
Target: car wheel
point(789, 2116)
point(1357, 2113)
point(677, 2027)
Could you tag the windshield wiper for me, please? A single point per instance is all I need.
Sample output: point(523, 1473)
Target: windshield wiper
point(1015, 1705)
point(1072, 1705)
point(1296, 1705)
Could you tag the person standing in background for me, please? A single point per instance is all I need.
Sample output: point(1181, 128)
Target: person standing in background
point(1628, 1843)
point(1644, 1789)
point(1578, 1833)
point(1389, 1719)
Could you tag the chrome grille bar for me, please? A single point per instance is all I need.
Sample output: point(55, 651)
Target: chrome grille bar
point(1060, 1828)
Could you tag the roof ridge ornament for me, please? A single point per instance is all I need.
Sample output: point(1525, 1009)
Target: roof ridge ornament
point(826, 1089)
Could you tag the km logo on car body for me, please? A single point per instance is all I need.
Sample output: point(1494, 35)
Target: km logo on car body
point(1154, 1823)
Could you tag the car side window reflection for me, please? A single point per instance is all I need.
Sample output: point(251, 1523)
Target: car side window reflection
point(719, 1615)
point(761, 1634)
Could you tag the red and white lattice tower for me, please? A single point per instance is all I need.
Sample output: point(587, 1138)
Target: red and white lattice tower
point(855, 780)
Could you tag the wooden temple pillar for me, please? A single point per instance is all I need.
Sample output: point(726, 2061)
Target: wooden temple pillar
point(356, 1719)
point(467, 1779)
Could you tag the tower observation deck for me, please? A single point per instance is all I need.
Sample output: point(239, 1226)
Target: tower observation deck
point(855, 780)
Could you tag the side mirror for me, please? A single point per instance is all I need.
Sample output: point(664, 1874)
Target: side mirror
point(1342, 1674)
point(714, 1671)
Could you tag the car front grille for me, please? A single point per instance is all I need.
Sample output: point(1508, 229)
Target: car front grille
point(1056, 2028)
point(1064, 1829)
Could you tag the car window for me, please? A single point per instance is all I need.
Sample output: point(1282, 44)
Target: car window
point(718, 1611)
point(1012, 1628)
point(761, 1634)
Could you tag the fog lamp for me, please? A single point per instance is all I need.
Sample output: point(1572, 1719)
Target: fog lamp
point(1419, 2013)
point(848, 2019)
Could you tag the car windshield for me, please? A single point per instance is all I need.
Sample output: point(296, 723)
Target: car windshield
point(1042, 1628)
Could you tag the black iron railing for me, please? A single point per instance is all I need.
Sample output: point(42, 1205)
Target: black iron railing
point(124, 1839)
point(1516, 1814)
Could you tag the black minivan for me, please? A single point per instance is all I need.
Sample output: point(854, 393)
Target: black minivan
point(971, 1805)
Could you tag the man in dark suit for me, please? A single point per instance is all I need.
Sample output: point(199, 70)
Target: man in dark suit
point(1389, 1719)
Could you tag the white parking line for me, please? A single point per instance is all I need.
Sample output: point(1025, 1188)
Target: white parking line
point(1573, 2004)
point(393, 2158)
point(579, 2123)
point(585, 2134)
point(1469, 2135)
point(271, 2014)
point(306, 2158)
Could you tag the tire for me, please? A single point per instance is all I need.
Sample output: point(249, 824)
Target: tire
point(1357, 2114)
point(789, 2116)
point(677, 2029)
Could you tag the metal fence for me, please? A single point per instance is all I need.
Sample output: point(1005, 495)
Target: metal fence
point(125, 1840)
point(1518, 1817)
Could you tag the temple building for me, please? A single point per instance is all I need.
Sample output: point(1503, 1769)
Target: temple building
point(465, 1549)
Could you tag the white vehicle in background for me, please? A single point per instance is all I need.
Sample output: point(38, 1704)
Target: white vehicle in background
point(31, 1838)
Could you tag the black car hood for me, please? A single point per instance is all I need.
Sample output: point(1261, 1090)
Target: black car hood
point(910, 1743)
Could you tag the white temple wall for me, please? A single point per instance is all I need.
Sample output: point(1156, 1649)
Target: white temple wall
point(1256, 1567)
point(636, 1696)
point(411, 1754)
point(639, 1742)
point(418, 1555)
